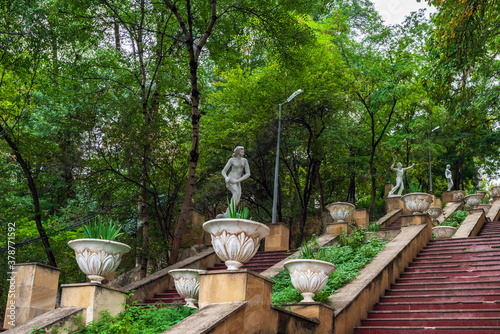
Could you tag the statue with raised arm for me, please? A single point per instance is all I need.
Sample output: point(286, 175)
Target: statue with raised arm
point(239, 171)
point(400, 171)
point(447, 174)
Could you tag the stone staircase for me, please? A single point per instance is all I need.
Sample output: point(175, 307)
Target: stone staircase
point(395, 225)
point(490, 228)
point(260, 262)
point(452, 286)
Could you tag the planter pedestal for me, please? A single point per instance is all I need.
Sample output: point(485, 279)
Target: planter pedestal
point(278, 239)
point(336, 228)
point(319, 311)
point(416, 219)
point(32, 291)
point(240, 285)
point(94, 297)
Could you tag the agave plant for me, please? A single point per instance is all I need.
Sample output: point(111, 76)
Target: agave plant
point(236, 213)
point(99, 229)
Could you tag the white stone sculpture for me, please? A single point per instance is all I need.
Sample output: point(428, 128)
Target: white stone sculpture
point(187, 284)
point(235, 241)
point(416, 203)
point(239, 171)
point(400, 171)
point(447, 174)
point(98, 258)
point(309, 276)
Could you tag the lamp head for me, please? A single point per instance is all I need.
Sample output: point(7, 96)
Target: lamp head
point(293, 95)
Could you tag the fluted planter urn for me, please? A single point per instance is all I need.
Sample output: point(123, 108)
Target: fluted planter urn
point(98, 258)
point(187, 284)
point(495, 192)
point(416, 203)
point(482, 193)
point(309, 276)
point(434, 212)
point(341, 212)
point(235, 241)
point(458, 195)
point(473, 200)
point(443, 232)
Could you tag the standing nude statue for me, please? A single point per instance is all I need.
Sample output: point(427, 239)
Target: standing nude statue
point(447, 174)
point(239, 171)
point(400, 171)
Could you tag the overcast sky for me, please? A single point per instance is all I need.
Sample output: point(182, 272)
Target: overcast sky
point(395, 11)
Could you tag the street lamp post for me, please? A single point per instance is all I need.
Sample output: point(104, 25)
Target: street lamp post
point(275, 192)
point(437, 128)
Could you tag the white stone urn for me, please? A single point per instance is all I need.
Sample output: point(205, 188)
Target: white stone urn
point(416, 203)
point(309, 276)
point(482, 193)
point(473, 200)
point(458, 195)
point(235, 241)
point(187, 284)
point(495, 192)
point(443, 232)
point(98, 258)
point(341, 212)
point(434, 212)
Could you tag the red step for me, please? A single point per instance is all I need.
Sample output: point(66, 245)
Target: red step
point(452, 286)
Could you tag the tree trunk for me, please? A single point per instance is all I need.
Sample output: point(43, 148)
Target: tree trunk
point(320, 189)
point(193, 161)
point(351, 193)
point(34, 194)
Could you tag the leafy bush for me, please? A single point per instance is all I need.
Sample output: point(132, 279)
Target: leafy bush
point(138, 319)
point(349, 258)
point(455, 219)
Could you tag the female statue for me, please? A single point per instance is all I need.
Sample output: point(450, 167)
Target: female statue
point(239, 171)
point(447, 174)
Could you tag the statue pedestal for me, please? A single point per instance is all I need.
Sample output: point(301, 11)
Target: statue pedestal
point(361, 217)
point(388, 188)
point(394, 202)
point(453, 196)
point(278, 239)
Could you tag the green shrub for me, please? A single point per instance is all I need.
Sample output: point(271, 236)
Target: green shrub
point(138, 319)
point(455, 219)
